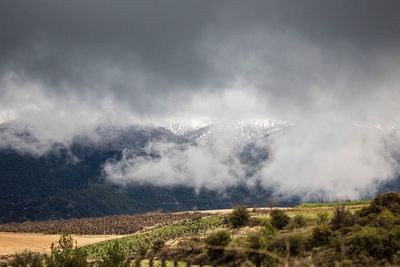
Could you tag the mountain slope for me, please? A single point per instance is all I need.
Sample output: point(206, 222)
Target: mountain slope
point(68, 181)
point(41, 181)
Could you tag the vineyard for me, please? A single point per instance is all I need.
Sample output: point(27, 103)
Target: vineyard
point(109, 225)
point(131, 244)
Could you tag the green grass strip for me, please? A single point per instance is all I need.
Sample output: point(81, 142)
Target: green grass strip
point(333, 204)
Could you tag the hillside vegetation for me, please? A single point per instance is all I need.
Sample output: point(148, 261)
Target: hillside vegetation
point(57, 187)
point(352, 235)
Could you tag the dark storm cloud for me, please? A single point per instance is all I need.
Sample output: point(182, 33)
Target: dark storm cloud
point(329, 68)
point(365, 23)
point(72, 43)
point(148, 49)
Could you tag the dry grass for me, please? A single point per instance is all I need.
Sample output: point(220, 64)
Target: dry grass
point(11, 243)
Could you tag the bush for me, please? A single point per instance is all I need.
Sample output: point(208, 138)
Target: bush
point(115, 257)
point(298, 221)
point(255, 222)
point(293, 243)
point(239, 217)
point(27, 258)
point(390, 201)
point(296, 243)
point(322, 217)
point(66, 255)
point(342, 218)
point(216, 241)
point(218, 238)
point(140, 252)
point(279, 219)
point(268, 230)
point(375, 241)
point(156, 246)
point(185, 249)
point(385, 219)
point(261, 240)
point(321, 235)
point(371, 217)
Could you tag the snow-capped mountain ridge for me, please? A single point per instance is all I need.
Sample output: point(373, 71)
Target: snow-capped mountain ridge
point(138, 136)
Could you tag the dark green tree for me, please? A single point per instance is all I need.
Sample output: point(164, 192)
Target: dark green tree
point(279, 219)
point(239, 217)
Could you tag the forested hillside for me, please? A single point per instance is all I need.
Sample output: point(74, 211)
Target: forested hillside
point(52, 187)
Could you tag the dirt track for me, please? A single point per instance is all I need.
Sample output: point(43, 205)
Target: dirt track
point(226, 211)
point(11, 243)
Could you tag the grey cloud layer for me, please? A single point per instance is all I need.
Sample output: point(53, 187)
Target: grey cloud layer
point(324, 66)
point(141, 52)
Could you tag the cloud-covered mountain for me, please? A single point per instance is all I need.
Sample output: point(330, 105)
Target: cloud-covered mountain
point(70, 180)
point(192, 93)
point(177, 166)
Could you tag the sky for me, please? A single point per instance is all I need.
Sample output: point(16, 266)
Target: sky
point(331, 68)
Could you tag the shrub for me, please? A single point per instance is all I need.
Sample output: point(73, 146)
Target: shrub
point(298, 221)
point(66, 255)
point(115, 257)
point(390, 201)
point(342, 218)
point(183, 250)
point(140, 252)
point(268, 230)
point(279, 219)
point(261, 239)
point(239, 217)
point(27, 258)
point(371, 217)
point(385, 219)
point(321, 235)
point(296, 244)
point(216, 241)
point(293, 243)
point(218, 238)
point(376, 241)
point(255, 222)
point(156, 246)
point(322, 217)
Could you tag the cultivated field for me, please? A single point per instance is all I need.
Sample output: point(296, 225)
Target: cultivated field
point(108, 225)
